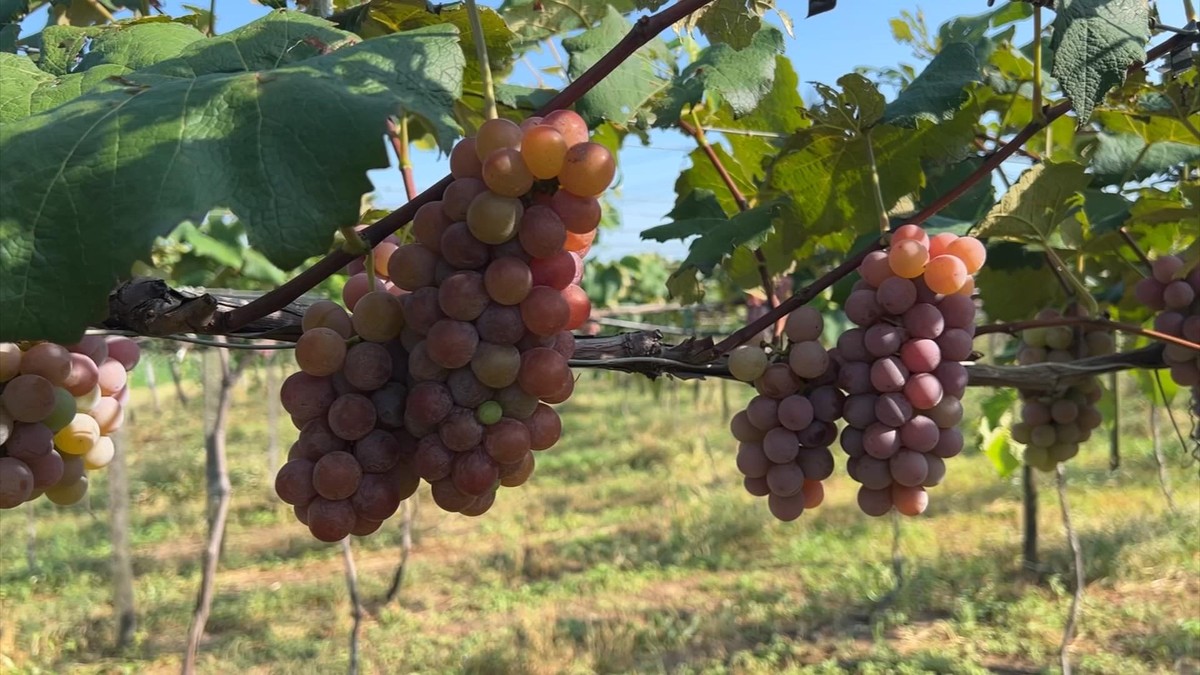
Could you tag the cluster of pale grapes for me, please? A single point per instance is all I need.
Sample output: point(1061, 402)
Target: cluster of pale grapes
point(901, 366)
point(785, 431)
point(1053, 425)
point(58, 408)
point(476, 313)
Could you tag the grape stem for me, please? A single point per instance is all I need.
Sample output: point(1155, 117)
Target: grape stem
point(998, 156)
point(485, 67)
point(646, 29)
point(1095, 322)
point(356, 607)
point(1077, 560)
point(697, 132)
point(398, 135)
point(1137, 250)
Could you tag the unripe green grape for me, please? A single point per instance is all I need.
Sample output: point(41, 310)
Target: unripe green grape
point(493, 218)
point(747, 363)
point(489, 413)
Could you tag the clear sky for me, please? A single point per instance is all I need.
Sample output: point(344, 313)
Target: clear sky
point(825, 47)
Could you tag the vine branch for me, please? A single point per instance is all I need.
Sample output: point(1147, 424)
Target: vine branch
point(642, 32)
point(1094, 322)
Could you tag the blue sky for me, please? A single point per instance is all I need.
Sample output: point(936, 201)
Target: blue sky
point(825, 47)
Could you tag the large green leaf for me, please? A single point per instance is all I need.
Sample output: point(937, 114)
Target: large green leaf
point(939, 91)
point(729, 22)
point(86, 187)
point(1037, 203)
point(1094, 43)
point(747, 229)
point(537, 20)
point(384, 17)
point(703, 176)
point(619, 97)
point(1014, 282)
point(740, 79)
point(698, 212)
point(1119, 158)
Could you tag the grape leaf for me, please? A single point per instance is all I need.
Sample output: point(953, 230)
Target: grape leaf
point(939, 91)
point(198, 132)
point(740, 79)
point(1014, 280)
point(1094, 43)
point(827, 176)
point(696, 213)
point(621, 96)
point(536, 20)
point(1150, 126)
point(746, 229)
point(1037, 203)
point(384, 17)
point(973, 205)
point(1119, 158)
point(135, 46)
point(729, 22)
point(703, 176)
point(997, 447)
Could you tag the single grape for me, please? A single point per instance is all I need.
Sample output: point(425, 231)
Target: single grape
point(862, 308)
point(804, 324)
point(817, 463)
point(1166, 269)
point(945, 274)
point(970, 251)
point(330, 520)
point(907, 258)
point(542, 232)
point(795, 412)
point(545, 311)
point(752, 462)
point(507, 441)
point(568, 123)
point(875, 503)
point(888, 374)
point(777, 381)
point(910, 232)
point(939, 242)
point(515, 474)
point(474, 473)
point(1177, 295)
point(747, 363)
point(294, 482)
point(579, 215)
point(380, 450)
point(781, 445)
point(896, 294)
point(433, 460)
point(579, 304)
point(921, 355)
point(923, 320)
point(464, 160)
point(320, 351)
point(893, 409)
point(506, 174)
point(451, 344)
point(543, 149)
point(545, 427)
point(49, 360)
point(541, 372)
point(327, 314)
point(377, 498)
point(107, 412)
point(742, 430)
point(495, 134)
point(881, 441)
point(16, 482)
point(351, 417)
point(874, 268)
point(910, 501)
point(461, 249)
point(884, 339)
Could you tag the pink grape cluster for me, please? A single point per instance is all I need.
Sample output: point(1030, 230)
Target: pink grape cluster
point(900, 367)
point(785, 431)
point(1175, 293)
point(1052, 426)
point(58, 408)
point(477, 314)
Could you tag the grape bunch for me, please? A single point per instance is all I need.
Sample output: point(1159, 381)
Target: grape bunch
point(58, 407)
point(1053, 425)
point(1175, 294)
point(481, 304)
point(785, 431)
point(900, 367)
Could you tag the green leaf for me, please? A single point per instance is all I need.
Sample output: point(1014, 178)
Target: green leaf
point(740, 79)
point(195, 133)
point(826, 174)
point(1153, 384)
point(385, 17)
point(781, 111)
point(996, 403)
point(137, 46)
point(1014, 282)
point(206, 246)
point(748, 229)
point(858, 105)
point(973, 205)
point(537, 20)
point(729, 22)
point(697, 212)
point(621, 96)
point(1150, 127)
point(1119, 158)
point(939, 91)
point(1104, 212)
point(997, 447)
point(1035, 205)
point(1094, 43)
point(702, 177)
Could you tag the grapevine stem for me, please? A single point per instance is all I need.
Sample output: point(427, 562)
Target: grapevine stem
point(697, 132)
point(212, 18)
point(1162, 391)
point(356, 608)
point(1137, 250)
point(398, 135)
point(1037, 62)
point(646, 29)
point(1096, 322)
point(485, 68)
point(1077, 555)
point(876, 189)
point(1161, 462)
